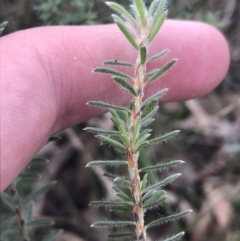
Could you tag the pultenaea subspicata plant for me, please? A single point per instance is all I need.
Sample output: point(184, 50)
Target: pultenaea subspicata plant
point(135, 194)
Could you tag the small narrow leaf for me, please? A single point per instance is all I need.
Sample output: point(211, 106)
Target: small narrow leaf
point(121, 194)
point(144, 182)
point(155, 96)
point(168, 219)
point(121, 10)
point(30, 211)
point(111, 71)
point(161, 71)
point(159, 10)
point(143, 55)
point(6, 224)
point(125, 85)
point(136, 129)
point(112, 224)
point(39, 161)
point(110, 175)
point(116, 62)
point(101, 131)
point(53, 235)
point(41, 222)
point(157, 26)
point(141, 10)
point(30, 175)
point(159, 55)
point(55, 138)
point(122, 181)
point(164, 137)
point(106, 163)
point(121, 235)
point(153, 7)
point(127, 33)
point(147, 122)
point(7, 200)
point(154, 200)
point(175, 237)
point(163, 183)
point(111, 142)
point(150, 114)
point(39, 192)
point(148, 194)
point(111, 203)
point(106, 105)
point(3, 26)
point(152, 104)
point(121, 209)
point(161, 166)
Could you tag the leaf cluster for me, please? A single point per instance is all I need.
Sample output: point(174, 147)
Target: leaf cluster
point(18, 222)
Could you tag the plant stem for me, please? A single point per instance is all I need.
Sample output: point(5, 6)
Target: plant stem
point(20, 214)
point(132, 154)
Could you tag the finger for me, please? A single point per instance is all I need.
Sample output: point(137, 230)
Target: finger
point(48, 80)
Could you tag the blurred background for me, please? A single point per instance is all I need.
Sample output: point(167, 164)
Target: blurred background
point(209, 142)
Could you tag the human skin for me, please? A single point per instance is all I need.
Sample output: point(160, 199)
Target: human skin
point(46, 78)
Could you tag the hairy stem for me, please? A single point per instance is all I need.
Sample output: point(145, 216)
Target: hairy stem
point(132, 154)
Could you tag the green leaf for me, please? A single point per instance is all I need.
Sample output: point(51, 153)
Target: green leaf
point(6, 224)
point(121, 235)
point(121, 194)
point(161, 166)
point(161, 71)
point(30, 175)
point(3, 26)
point(175, 237)
point(110, 175)
point(144, 182)
point(106, 163)
point(143, 55)
point(164, 137)
point(152, 7)
point(111, 203)
point(116, 62)
point(157, 26)
point(168, 219)
point(148, 194)
point(121, 209)
point(112, 71)
point(155, 96)
point(149, 108)
point(41, 222)
point(136, 129)
point(101, 131)
point(39, 161)
point(53, 235)
point(111, 142)
point(106, 105)
point(127, 34)
point(122, 11)
point(30, 211)
point(112, 224)
point(150, 114)
point(7, 200)
point(159, 55)
point(122, 181)
point(125, 85)
point(146, 122)
point(142, 11)
point(159, 10)
point(154, 200)
point(55, 138)
point(39, 192)
point(163, 183)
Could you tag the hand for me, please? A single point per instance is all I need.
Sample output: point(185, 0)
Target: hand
point(46, 78)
